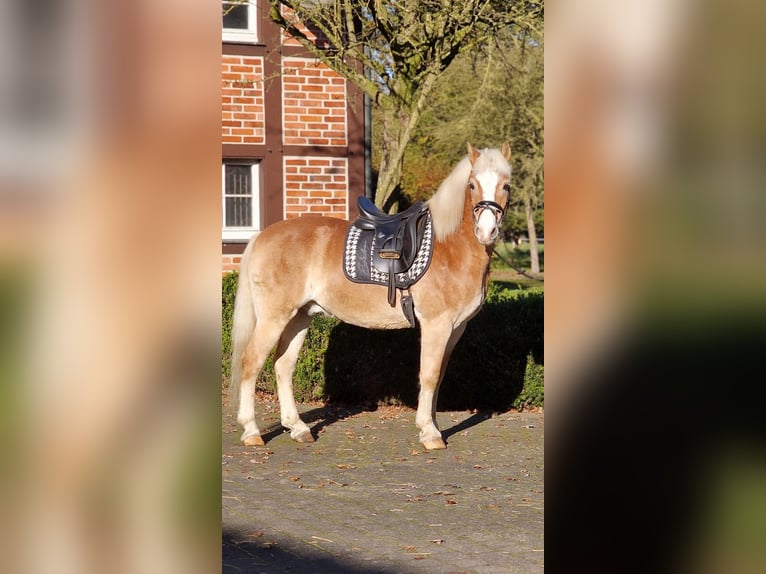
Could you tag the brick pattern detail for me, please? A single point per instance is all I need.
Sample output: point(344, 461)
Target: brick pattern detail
point(288, 40)
point(242, 109)
point(314, 104)
point(317, 185)
point(315, 107)
point(230, 263)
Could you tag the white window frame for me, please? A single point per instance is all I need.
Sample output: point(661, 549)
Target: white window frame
point(242, 233)
point(244, 36)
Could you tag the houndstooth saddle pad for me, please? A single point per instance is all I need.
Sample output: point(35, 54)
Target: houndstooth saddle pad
point(365, 259)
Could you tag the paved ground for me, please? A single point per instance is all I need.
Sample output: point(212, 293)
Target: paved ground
point(367, 498)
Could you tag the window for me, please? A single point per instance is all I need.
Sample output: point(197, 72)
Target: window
point(241, 199)
point(240, 21)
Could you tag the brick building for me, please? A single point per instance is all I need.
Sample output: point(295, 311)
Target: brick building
point(292, 131)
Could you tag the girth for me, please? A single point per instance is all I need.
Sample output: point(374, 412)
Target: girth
point(393, 250)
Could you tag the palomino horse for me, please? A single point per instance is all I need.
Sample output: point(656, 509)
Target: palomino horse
point(293, 270)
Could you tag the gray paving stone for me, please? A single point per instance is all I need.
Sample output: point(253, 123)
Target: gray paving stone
point(367, 498)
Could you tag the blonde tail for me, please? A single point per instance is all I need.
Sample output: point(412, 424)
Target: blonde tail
point(242, 325)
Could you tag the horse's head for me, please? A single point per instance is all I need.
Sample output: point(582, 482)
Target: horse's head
point(490, 187)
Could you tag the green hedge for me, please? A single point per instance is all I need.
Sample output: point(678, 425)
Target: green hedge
point(497, 364)
point(228, 293)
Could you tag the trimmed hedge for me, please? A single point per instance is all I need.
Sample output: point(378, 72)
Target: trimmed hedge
point(498, 363)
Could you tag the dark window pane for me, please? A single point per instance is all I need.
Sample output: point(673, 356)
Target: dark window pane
point(235, 16)
point(239, 212)
point(238, 180)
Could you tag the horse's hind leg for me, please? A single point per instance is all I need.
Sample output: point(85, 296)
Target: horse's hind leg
point(263, 339)
point(286, 357)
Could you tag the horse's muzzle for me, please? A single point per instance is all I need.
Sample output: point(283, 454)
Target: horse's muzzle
point(485, 229)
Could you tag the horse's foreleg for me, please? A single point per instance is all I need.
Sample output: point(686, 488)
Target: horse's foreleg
point(437, 343)
point(286, 357)
point(453, 340)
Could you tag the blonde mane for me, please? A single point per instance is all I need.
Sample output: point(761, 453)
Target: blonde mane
point(449, 200)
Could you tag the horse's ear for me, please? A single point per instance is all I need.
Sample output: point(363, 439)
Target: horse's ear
point(473, 153)
point(506, 151)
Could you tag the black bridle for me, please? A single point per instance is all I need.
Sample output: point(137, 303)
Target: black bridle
point(497, 210)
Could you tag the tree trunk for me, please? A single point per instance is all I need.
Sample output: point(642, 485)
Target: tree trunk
point(397, 132)
point(390, 170)
point(533, 251)
point(396, 135)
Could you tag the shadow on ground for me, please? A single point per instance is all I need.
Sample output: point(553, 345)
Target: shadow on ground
point(321, 417)
point(244, 553)
point(318, 418)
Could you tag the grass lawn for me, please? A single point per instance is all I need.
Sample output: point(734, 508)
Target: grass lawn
point(508, 279)
point(510, 267)
point(506, 253)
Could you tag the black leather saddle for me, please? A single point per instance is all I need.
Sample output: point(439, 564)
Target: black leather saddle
point(393, 250)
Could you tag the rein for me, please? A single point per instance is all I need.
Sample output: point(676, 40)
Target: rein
point(499, 212)
point(512, 266)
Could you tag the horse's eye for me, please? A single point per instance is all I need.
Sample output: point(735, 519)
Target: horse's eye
point(471, 186)
point(507, 188)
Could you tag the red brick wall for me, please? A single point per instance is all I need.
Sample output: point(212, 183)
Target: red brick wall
point(288, 40)
point(229, 263)
point(314, 104)
point(312, 152)
point(242, 109)
point(316, 185)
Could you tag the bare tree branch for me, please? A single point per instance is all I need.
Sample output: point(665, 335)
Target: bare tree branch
point(404, 45)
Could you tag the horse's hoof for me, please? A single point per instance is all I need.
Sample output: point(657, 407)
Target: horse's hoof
point(434, 444)
point(304, 437)
point(253, 440)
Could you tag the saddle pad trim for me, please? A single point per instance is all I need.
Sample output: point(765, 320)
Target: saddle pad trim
point(357, 258)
